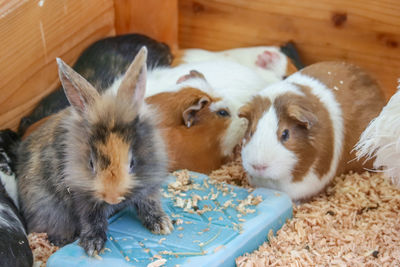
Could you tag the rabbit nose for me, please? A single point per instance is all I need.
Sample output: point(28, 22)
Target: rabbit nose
point(113, 198)
point(259, 167)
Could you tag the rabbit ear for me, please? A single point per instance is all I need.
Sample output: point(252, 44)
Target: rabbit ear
point(133, 85)
point(80, 93)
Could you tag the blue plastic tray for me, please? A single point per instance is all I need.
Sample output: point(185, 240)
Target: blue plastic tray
point(213, 238)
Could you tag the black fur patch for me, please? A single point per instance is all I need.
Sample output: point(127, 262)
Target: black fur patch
point(9, 140)
point(290, 50)
point(14, 246)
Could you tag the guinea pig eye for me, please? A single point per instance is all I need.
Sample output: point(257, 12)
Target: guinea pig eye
point(223, 113)
point(285, 135)
point(132, 165)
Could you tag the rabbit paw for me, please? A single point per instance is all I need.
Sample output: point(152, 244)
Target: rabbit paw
point(92, 243)
point(160, 225)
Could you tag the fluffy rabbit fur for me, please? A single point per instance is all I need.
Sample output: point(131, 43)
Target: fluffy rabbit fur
point(381, 139)
point(92, 159)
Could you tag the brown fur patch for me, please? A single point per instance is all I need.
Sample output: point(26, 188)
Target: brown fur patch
point(253, 111)
point(197, 148)
point(361, 100)
point(290, 67)
point(113, 181)
point(178, 58)
point(313, 145)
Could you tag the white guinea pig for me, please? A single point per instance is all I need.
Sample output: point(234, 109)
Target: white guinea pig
point(267, 61)
point(302, 130)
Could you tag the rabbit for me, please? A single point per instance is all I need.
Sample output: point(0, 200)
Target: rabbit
point(92, 159)
point(14, 246)
point(302, 130)
point(100, 64)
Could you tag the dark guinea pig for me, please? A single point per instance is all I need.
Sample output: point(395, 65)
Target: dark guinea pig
point(14, 246)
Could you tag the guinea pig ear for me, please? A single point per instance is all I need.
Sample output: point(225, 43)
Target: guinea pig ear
point(192, 74)
point(80, 93)
point(133, 85)
point(302, 115)
point(246, 111)
point(189, 114)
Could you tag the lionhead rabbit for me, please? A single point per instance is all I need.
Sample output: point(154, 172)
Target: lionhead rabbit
point(96, 157)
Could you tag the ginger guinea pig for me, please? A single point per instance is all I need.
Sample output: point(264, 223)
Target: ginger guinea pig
point(199, 135)
point(302, 130)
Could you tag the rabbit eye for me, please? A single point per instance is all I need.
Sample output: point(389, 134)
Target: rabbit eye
point(132, 165)
point(223, 113)
point(285, 135)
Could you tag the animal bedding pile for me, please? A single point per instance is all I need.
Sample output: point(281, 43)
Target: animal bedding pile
point(356, 221)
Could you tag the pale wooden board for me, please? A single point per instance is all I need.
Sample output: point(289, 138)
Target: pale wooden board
point(365, 32)
point(32, 36)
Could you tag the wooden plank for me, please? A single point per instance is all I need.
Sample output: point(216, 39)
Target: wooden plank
point(33, 34)
point(155, 18)
point(365, 32)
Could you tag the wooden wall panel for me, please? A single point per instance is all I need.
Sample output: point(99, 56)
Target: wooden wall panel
point(33, 34)
point(155, 18)
point(366, 32)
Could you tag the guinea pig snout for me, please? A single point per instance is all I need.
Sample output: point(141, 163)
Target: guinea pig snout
point(259, 167)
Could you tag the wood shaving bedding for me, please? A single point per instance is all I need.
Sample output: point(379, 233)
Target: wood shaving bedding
point(41, 248)
point(354, 222)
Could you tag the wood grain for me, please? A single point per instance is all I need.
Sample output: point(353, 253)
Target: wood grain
point(33, 34)
point(365, 32)
point(155, 18)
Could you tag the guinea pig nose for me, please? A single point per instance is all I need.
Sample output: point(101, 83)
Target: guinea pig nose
point(259, 167)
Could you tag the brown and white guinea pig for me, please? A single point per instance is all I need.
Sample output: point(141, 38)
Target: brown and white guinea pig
point(92, 159)
point(302, 130)
point(267, 61)
point(199, 105)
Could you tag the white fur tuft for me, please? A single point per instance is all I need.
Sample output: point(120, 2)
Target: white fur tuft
point(381, 139)
point(10, 184)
